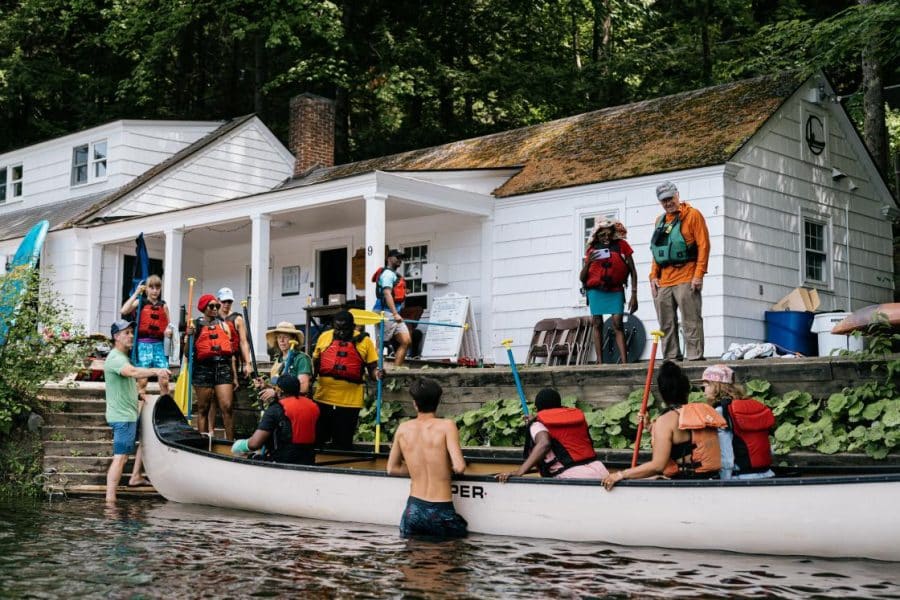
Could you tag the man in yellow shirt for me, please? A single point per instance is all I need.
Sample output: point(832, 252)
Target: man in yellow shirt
point(341, 360)
point(680, 247)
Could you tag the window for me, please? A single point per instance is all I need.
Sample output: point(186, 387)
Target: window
point(416, 256)
point(815, 254)
point(89, 163)
point(10, 182)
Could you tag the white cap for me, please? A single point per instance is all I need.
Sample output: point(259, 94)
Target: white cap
point(225, 294)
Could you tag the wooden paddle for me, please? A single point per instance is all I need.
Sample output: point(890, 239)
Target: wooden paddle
point(655, 334)
point(515, 371)
point(190, 304)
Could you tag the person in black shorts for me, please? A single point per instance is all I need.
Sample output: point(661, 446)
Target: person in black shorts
point(213, 376)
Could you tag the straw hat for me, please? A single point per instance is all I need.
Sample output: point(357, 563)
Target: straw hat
point(283, 327)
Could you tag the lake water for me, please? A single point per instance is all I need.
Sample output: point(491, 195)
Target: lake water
point(150, 548)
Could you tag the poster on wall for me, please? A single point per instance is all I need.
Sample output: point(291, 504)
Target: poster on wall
point(290, 281)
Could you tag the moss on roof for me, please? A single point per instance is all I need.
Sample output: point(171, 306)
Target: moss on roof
point(684, 131)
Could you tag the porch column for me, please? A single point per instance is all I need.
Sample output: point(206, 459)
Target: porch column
point(486, 326)
point(172, 272)
point(259, 281)
point(375, 235)
point(92, 314)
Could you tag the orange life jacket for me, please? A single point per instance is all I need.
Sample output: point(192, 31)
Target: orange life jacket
point(570, 439)
point(398, 292)
point(750, 421)
point(700, 455)
point(608, 273)
point(342, 360)
point(211, 339)
point(153, 321)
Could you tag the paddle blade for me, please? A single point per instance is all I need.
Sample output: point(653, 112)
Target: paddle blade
point(181, 391)
point(365, 317)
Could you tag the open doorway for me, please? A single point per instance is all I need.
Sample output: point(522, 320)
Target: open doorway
point(332, 265)
point(156, 268)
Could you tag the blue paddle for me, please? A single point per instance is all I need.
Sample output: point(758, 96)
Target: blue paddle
point(379, 385)
point(515, 371)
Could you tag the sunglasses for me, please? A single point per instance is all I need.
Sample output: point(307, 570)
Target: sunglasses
point(213, 306)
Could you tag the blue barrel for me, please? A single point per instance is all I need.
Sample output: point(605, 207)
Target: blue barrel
point(790, 331)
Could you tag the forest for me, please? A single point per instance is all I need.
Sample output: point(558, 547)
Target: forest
point(413, 73)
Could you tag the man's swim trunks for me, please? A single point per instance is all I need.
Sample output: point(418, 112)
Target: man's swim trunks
point(437, 519)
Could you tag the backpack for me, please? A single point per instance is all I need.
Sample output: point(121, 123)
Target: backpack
point(399, 290)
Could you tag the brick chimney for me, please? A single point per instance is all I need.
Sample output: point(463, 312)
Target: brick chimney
point(311, 132)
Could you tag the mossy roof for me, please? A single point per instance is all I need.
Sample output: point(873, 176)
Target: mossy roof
point(683, 131)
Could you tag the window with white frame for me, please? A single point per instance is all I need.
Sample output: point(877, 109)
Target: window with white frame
point(815, 250)
point(416, 257)
point(11, 182)
point(89, 162)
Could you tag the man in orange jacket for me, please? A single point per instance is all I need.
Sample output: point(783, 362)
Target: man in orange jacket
point(680, 247)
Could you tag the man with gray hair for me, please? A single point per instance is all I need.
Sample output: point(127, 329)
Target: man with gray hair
point(680, 248)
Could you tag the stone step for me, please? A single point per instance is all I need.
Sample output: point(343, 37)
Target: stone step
point(79, 433)
point(100, 490)
point(82, 464)
point(77, 447)
point(76, 419)
point(67, 479)
point(77, 405)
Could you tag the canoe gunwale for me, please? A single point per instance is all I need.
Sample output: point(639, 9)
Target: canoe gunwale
point(172, 430)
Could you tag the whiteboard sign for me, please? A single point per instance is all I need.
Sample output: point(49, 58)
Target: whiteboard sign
point(444, 342)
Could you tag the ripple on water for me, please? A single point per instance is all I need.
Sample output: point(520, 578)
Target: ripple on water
point(156, 549)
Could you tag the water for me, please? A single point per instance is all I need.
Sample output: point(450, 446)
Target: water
point(150, 548)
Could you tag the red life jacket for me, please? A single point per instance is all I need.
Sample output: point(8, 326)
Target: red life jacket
point(750, 421)
point(342, 360)
point(153, 321)
point(699, 456)
point(302, 414)
point(230, 321)
point(399, 290)
point(608, 273)
point(570, 439)
point(211, 339)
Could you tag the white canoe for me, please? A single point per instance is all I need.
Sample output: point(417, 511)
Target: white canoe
point(835, 516)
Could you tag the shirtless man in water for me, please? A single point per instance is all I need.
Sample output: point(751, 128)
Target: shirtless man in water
point(427, 450)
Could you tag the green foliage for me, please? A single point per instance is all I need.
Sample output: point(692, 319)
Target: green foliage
point(43, 345)
point(391, 415)
point(20, 464)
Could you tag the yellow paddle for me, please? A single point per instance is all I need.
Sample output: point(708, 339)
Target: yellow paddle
point(368, 317)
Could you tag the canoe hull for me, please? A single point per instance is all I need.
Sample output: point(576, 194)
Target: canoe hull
point(862, 318)
point(804, 519)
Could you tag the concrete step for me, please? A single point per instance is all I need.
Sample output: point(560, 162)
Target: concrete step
point(100, 490)
point(81, 464)
point(77, 405)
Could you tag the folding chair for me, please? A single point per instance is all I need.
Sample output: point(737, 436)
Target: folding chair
point(585, 339)
point(565, 348)
point(542, 339)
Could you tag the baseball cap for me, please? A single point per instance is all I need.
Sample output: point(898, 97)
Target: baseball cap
point(225, 294)
point(718, 373)
point(665, 190)
point(396, 253)
point(120, 325)
point(204, 300)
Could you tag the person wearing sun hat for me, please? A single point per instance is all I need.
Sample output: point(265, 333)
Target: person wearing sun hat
point(744, 443)
point(608, 264)
point(279, 340)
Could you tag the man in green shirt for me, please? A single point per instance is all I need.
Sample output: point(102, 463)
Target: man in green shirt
point(123, 405)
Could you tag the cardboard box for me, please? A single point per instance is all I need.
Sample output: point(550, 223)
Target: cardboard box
point(338, 299)
point(801, 299)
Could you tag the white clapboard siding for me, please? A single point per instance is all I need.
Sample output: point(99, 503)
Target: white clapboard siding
point(246, 161)
point(132, 148)
point(777, 185)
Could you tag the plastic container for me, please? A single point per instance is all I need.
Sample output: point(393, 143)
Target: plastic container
point(830, 343)
point(790, 331)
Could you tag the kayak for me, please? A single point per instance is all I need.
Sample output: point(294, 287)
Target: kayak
point(13, 291)
point(811, 515)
